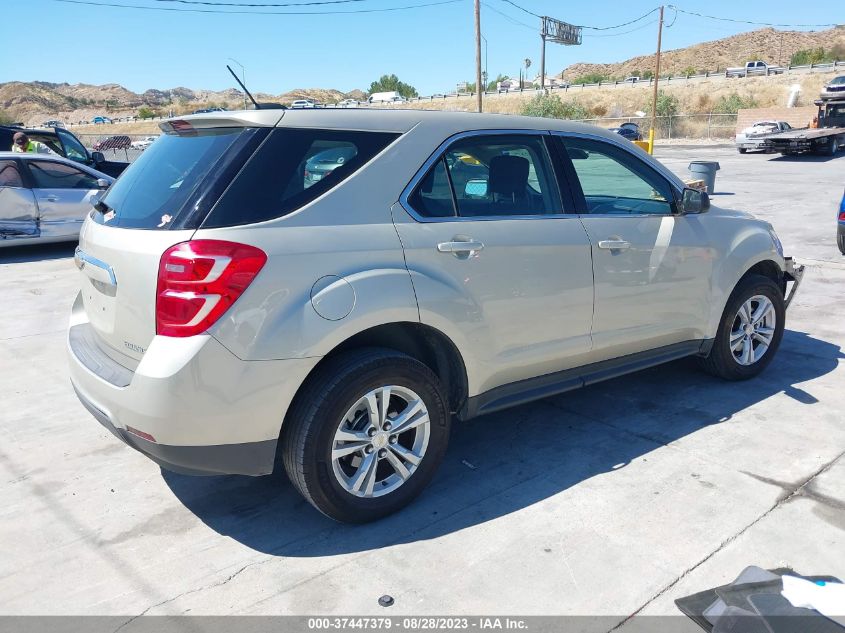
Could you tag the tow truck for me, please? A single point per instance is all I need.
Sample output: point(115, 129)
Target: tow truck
point(827, 139)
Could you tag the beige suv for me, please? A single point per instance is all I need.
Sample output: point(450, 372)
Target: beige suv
point(238, 311)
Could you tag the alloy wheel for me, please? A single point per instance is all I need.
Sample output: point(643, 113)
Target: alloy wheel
point(753, 330)
point(381, 441)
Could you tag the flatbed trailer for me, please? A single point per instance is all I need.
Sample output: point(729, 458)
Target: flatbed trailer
point(828, 138)
point(817, 140)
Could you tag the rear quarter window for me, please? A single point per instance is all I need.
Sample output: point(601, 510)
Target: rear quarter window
point(292, 168)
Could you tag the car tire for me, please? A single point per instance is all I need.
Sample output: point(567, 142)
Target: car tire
point(833, 147)
point(730, 362)
point(840, 241)
point(325, 443)
point(742, 150)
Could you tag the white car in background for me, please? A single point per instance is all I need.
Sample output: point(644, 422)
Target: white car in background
point(303, 103)
point(144, 143)
point(755, 136)
point(348, 103)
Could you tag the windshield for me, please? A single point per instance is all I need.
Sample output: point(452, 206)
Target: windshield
point(158, 186)
point(838, 81)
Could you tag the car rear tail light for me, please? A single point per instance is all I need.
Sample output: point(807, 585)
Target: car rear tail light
point(199, 280)
point(842, 215)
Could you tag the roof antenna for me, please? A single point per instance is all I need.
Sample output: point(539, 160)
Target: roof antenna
point(251, 98)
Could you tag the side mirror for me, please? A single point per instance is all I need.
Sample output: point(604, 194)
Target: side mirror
point(102, 183)
point(98, 157)
point(694, 201)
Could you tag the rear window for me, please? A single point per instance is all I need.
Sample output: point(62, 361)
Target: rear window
point(292, 168)
point(170, 184)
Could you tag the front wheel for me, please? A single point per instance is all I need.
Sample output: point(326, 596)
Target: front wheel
point(833, 147)
point(750, 331)
point(742, 150)
point(366, 434)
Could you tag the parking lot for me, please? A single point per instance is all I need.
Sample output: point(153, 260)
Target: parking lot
point(613, 500)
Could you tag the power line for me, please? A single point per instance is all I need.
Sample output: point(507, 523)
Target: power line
point(509, 18)
point(523, 9)
point(619, 26)
point(334, 12)
point(244, 4)
point(713, 17)
point(639, 28)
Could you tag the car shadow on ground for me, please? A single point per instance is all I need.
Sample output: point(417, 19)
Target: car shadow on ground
point(36, 252)
point(501, 463)
point(806, 158)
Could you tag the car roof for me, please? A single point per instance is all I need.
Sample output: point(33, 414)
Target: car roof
point(441, 123)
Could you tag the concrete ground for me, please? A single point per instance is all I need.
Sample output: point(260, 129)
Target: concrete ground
point(612, 500)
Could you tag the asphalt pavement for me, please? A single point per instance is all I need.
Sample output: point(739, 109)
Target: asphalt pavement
point(612, 500)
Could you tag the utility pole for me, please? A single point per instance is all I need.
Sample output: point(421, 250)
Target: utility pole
point(478, 88)
point(543, 34)
point(656, 79)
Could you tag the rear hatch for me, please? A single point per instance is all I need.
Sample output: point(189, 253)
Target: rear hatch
point(157, 202)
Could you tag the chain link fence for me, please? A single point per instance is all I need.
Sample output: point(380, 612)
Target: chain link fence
point(702, 127)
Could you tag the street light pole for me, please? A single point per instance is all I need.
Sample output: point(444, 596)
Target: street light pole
point(485, 62)
point(243, 75)
point(478, 54)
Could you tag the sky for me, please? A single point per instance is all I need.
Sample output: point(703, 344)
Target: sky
point(431, 48)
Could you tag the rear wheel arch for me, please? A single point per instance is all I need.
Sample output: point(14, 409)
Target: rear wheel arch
point(421, 342)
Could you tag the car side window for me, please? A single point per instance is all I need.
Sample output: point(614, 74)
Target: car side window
point(615, 182)
point(433, 196)
point(10, 176)
point(501, 175)
point(53, 175)
point(489, 176)
point(74, 150)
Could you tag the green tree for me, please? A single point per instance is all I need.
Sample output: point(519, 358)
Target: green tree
point(732, 103)
point(390, 83)
point(591, 78)
point(146, 113)
point(499, 78)
point(667, 105)
point(551, 107)
point(811, 56)
point(648, 74)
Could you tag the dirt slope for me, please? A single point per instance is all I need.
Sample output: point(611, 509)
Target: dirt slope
point(770, 45)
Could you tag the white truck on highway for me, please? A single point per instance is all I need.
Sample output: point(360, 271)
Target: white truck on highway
point(391, 96)
point(754, 68)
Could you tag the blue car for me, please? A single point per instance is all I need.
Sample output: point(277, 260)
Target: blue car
point(840, 233)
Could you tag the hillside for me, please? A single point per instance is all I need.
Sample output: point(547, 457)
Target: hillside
point(773, 46)
point(34, 102)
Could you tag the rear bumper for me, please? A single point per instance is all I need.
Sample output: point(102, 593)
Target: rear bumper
point(201, 409)
point(250, 458)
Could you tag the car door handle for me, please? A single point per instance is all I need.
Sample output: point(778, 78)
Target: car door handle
point(459, 248)
point(614, 245)
point(50, 198)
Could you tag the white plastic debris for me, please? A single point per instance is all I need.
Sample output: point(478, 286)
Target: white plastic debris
point(828, 598)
